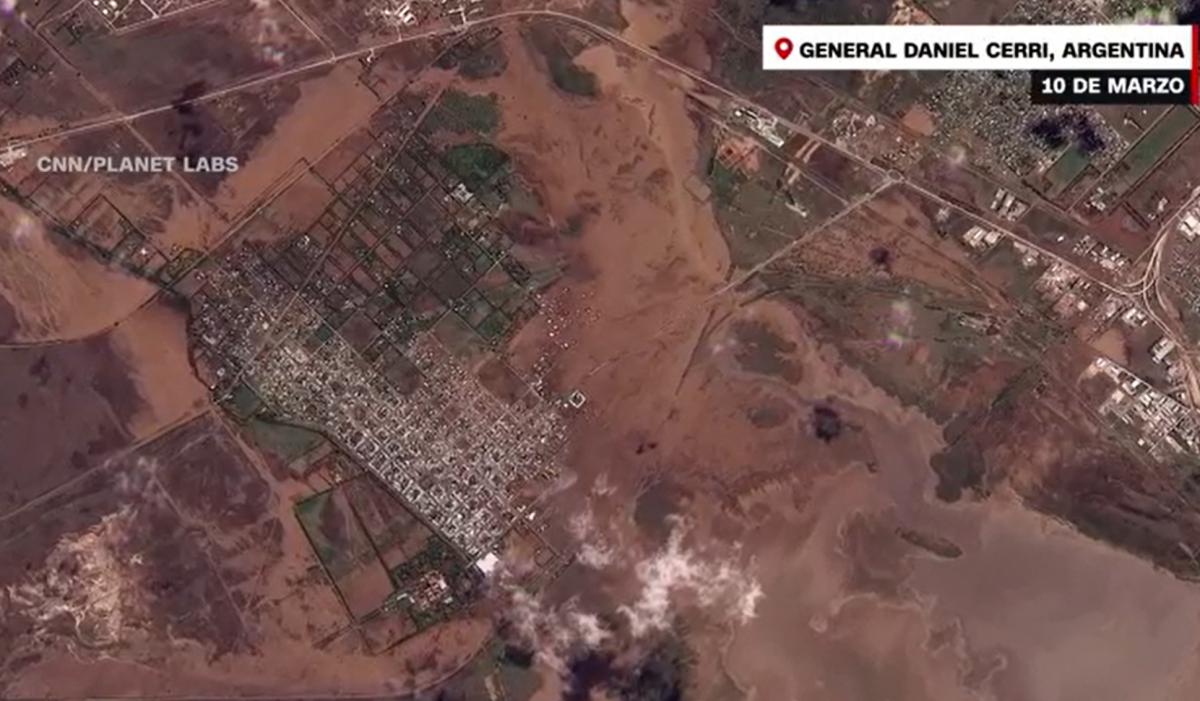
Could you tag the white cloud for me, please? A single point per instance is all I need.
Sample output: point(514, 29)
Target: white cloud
point(676, 571)
point(676, 574)
point(555, 632)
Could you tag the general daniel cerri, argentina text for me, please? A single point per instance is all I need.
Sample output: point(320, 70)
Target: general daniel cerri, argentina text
point(1132, 50)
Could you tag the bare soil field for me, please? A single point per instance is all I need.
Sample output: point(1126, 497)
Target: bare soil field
point(87, 388)
point(174, 58)
point(44, 91)
point(178, 568)
point(1166, 188)
point(395, 532)
point(73, 404)
point(1124, 230)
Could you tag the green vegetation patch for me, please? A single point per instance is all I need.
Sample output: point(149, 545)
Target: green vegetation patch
point(878, 331)
point(761, 213)
point(1165, 133)
point(560, 61)
point(725, 182)
point(475, 164)
point(606, 13)
point(336, 535)
point(488, 62)
point(173, 270)
point(412, 577)
point(436, 555)
point(243, 402)
point(309, 513)
point(755, 222)
point(1066, 169)
point(572, 79)
point(284, 440)
point(479, 113)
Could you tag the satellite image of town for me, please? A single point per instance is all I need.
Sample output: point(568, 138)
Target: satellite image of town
point(553, 350)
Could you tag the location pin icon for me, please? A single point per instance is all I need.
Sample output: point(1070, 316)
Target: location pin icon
point(783, 47)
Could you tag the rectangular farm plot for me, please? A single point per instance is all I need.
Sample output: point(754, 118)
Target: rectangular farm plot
point(395, 532)
point(1066, 170)
point(765, 209)
point(1142, 157)
point(394, 575)
point(1170, 184)
point(345, 551)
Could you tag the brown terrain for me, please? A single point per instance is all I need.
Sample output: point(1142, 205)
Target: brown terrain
point(54, 292)
point(798, 473)
point(870, 585)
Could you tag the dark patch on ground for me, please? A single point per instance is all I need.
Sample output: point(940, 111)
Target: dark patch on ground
point(518, 656)
point(606, 13)
point(959, 468)
point(655, 506)
point(557, 49)
point(8, 321)
point(1057, 130)
point(486, 62)
point(826, 422)
point(590, 671)
point(659, 674)
point(576, 223)
point(936, 544)
point(881, 258)
point(1108, 496)
point(40, 370)
point(189, 128)
point(514, 650)
point(770, 414)
point(762, 351)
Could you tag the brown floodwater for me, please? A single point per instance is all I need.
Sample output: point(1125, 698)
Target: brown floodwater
point(1030, 609)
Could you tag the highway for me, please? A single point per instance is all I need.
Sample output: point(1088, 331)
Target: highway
point(1137, 295)
point(1148, 290)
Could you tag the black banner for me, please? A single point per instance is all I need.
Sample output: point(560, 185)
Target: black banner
point(1110, 87)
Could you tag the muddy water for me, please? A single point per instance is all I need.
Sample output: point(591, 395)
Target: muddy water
point(1027, 610)
point(659, 100)
point(1030, 610)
